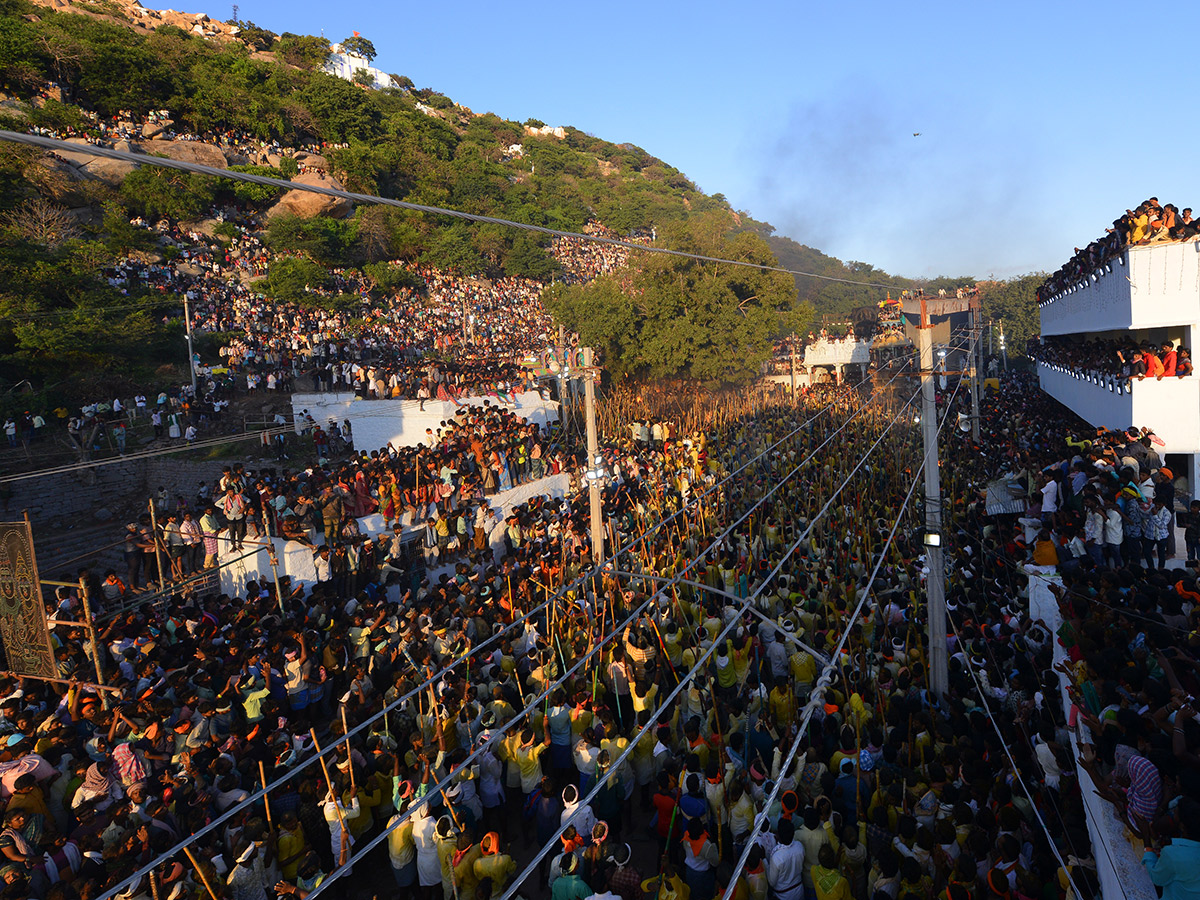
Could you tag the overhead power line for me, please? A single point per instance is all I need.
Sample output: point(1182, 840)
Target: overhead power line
point(47, 143)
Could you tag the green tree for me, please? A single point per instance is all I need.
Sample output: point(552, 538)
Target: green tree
point(327, 241)
point(166, 193)
point(530, 257)
point(389, 278)
point(290, 278)
point(674, 316)
point(1014, 301)
point(305, 51)
point(254, 37)
point(358, 45)
point(248, 191)
point(453, 250)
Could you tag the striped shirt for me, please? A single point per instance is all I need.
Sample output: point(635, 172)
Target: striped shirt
point(1145, 787)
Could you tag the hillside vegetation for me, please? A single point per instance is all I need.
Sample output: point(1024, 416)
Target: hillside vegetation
point(64, 72)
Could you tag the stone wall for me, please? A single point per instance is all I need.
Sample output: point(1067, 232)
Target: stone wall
point(82, 497)
point(180, 477)
point(78, 518)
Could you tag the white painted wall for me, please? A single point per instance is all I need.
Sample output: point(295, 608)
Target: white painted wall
point(1170, 407)
point(1159, 285)
point(1118, 868)
point(839, 352)
point(296, 560)
point(344, 65)
point(375, 423)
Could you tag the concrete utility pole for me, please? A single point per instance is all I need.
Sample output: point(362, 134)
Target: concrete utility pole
point(593, 450)
point(935, 582)
point(563, 384)
point(793, 358)
point(187, 322)
point(976, 368)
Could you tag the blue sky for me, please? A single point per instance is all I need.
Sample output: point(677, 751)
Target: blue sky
point(1039, 122)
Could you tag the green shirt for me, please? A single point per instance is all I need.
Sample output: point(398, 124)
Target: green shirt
point(570, 887)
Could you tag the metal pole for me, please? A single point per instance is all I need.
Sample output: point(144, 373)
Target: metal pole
point(589, 399)
point(162, 577)
point(975, 370)
point(793, 356)
point(187, 321)
point(275, 573)
point(560, 351)
point(935, 585)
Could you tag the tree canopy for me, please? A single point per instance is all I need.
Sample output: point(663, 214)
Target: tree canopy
point(357, 45)
point(677, 317)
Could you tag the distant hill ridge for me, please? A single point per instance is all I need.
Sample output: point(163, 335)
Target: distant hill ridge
point(108, 56)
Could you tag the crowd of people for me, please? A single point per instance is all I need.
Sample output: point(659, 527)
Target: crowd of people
point(487, 333)
point(893, 792)
point(582, 260)
point(444, 338)
point(1122, 360)
point(747, 677)
point(1150, 223)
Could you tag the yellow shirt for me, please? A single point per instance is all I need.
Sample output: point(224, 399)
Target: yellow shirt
point(529, 765)
point(464, 873)
point(400, 844)
point(291, 844)
point(783, 706)
point(803, 667)
point(499, 867)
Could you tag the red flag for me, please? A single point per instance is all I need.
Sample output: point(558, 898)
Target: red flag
point(356, 34)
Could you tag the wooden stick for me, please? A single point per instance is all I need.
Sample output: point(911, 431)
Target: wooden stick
point(262, 774)
point(328, 781)
point(200, 872)
point(349, 758)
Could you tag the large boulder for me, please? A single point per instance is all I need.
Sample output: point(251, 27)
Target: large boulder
point(13, 108)
point(76, 158)
point(111, 171)
point(308, 205)
point(58, 180)
point(187, 151)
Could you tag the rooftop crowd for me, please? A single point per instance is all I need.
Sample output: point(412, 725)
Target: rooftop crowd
point(1126, 360)
point(1150, 223)
point(893, 793)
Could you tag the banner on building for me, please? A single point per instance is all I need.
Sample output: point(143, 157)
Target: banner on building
point(23, 631)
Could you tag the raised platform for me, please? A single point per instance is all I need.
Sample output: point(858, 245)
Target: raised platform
point(402, 423)
point(296, 559)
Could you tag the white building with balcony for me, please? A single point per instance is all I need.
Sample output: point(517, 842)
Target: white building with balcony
point(346, 65)
point(1148, 294)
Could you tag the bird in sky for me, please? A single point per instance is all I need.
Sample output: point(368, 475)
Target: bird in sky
point(916, 134)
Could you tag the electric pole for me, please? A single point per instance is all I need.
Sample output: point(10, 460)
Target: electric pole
point(187, 323)
point(975, 370)
point(935, 582)
point(593, 451)
point(793, 358)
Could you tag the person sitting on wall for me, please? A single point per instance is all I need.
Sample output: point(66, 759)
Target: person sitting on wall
point(1154, 365)
point(1183, 362)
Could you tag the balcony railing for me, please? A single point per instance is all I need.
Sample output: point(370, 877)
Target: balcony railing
point(1146, 287)
point(1170, 407)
